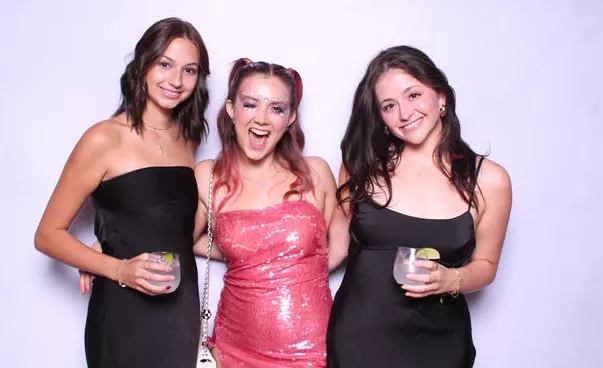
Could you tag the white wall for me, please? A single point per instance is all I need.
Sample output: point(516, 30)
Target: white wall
point(528, 81)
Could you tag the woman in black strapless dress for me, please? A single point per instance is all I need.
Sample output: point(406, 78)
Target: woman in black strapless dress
point(408, 180)
point(137, 166)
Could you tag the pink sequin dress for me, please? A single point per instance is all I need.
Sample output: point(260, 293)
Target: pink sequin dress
point(275, 304)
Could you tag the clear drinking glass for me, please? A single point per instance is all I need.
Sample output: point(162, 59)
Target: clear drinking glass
point(169, 259)
point(404, 264)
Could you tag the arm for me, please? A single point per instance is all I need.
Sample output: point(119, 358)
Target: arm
point(324, 186)
point(495, 184)
point(84, 170)
point(200, 248)
point(339, 236)
point(202, 171)
point(495, 209)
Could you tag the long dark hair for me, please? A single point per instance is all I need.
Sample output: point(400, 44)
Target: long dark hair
point(189, 114)
point(369, 154)
point(290, 147)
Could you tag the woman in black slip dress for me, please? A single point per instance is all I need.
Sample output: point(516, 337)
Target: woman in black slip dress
point(408, 179)
point(137, 167)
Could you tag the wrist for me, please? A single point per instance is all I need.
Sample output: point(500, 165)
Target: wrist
point(456, 285)
point(119, 272)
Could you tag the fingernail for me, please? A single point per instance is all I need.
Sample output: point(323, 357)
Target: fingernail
point(168, 287)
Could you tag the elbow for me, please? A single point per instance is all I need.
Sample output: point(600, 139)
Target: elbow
point(42, 240)
point(39, 240)
point(490, 276)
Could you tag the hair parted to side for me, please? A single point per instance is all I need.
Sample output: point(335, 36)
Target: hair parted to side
point(188, 115)
point(370, 155)
point(289, 150)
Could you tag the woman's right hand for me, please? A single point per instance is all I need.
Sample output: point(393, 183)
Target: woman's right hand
point(136, 273)
point(86, 278)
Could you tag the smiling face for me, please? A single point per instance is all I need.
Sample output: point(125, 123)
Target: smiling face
point(261, 112)
point(173, 76)
point(410, 109)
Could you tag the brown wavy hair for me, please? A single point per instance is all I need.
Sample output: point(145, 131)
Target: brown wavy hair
point(189, 114)
point(369, 154)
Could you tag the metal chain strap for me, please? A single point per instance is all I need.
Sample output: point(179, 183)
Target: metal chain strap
point(205, 312)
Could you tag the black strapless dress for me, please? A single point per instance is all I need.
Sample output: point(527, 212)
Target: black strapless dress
point(146, 210)
point(372, 322)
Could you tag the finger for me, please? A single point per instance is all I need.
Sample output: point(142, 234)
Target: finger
point(423, 278)
point(421, 289)
point(415, 288)
point(157, 267)
point(86, 283)
point(89, 279)
point(82, 283)
point(140, 285)
point(416, 295)
point(141, 257)
point(146, 275)
point(430, 265)
point(151, 289)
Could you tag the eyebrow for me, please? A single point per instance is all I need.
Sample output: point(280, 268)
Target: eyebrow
point(266, 99)
point(172, 60)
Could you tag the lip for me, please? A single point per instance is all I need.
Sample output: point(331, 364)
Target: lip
point(168, 93)
point(412, 125)
point(258, 142)
point(259, 132)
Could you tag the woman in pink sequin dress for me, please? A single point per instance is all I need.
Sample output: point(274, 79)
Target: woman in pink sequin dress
point(272, 210)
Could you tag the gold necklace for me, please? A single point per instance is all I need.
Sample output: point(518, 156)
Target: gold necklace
point(163, 140)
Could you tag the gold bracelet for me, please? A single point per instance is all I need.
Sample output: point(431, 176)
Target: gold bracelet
point(119, 266)
point(455, 293)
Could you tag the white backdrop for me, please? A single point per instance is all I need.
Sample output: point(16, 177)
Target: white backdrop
point(528, 81)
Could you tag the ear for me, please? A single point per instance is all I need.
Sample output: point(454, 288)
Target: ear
point(229, 109)
point(292, 117)
point(442, 99)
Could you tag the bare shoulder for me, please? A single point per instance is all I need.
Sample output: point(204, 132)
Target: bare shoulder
point(98, 141)
point(343, 175)
point(493, 177)
point(202, 171)
point(319, 165)
point(320, 170)
point(102, 135)
point(203, 168)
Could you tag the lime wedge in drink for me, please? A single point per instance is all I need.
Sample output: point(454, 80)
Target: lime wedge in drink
point(168, 257)
point(428, 253)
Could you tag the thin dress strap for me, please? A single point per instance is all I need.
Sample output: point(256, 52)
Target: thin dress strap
point(479, 166)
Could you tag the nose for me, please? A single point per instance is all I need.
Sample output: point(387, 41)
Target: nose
point(261, 117)
point(405, 110)
point(176, 78)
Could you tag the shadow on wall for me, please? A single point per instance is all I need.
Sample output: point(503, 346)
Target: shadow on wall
point(475, 299)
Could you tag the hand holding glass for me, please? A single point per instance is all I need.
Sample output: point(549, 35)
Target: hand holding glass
point(404, 264)
point(167, 259)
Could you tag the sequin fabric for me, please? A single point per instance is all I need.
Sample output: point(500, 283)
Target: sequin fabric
point(275, 304)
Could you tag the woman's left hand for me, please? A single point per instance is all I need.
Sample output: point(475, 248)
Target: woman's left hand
point(439, 280)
